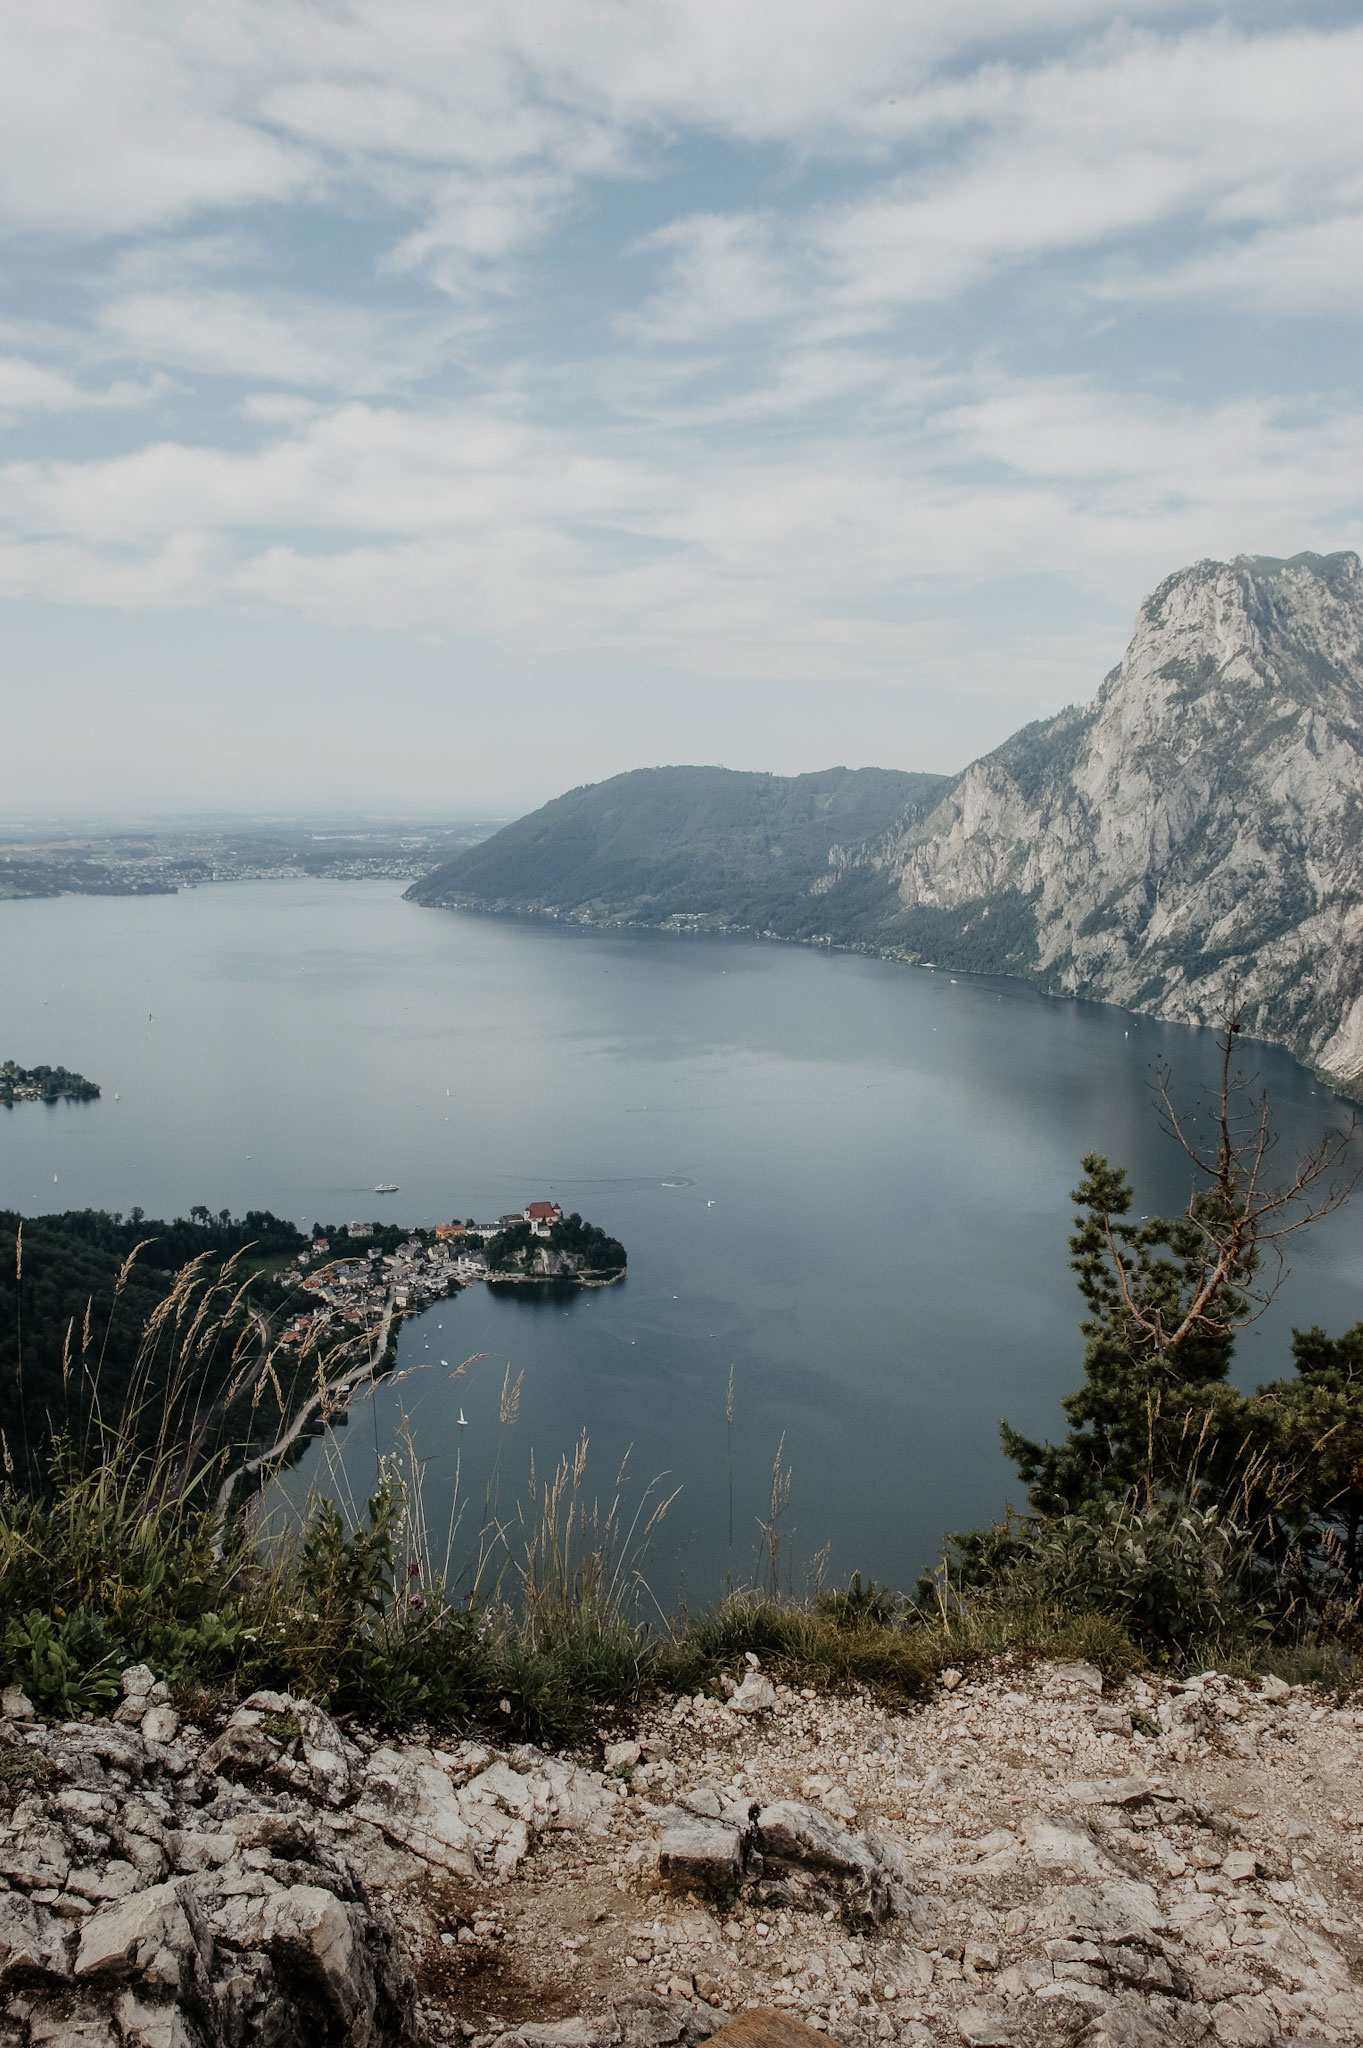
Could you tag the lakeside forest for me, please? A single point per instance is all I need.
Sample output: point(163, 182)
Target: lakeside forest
point(1175, 1521)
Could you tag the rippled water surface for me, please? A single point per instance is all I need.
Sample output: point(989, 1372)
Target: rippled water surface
point(844, 1181)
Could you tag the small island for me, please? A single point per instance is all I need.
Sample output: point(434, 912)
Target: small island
point(43, 1084)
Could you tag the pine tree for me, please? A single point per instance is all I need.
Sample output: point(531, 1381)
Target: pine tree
point(1164, 1300)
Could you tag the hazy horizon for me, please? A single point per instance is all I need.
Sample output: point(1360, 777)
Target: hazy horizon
point(35, 824)
point(434, 410)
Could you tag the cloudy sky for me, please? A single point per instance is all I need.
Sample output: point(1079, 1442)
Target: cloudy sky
point(436, 403)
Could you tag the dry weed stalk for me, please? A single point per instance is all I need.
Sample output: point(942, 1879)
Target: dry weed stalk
point(773, 1534)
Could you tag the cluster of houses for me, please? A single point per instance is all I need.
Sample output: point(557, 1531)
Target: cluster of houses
point(359, 1288)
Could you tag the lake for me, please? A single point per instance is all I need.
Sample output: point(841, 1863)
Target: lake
point(842, 1181)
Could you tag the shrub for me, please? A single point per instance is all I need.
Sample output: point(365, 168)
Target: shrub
point(1168, 1577)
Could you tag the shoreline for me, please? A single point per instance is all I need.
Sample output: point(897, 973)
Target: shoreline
point(1347, 1091)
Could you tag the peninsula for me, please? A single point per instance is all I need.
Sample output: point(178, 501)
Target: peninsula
point(92, 1282)
point(363, 1275)
point(43, 1084)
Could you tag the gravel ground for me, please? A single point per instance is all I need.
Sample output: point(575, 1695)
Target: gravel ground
point(1193, 1848)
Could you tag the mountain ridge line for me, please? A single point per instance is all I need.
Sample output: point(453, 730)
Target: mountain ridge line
point(1201, 818)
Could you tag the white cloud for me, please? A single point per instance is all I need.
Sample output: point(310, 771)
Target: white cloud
point(119, 114)
point(762, 559)
point(473, 224)
point(267, 337)
point(640, 333)
point(1299, 271)
point(28, 389)
point(1199, 130)
point(110, 120)
point(723, 272)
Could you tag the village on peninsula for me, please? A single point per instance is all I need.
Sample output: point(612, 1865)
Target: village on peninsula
point(358, 1276)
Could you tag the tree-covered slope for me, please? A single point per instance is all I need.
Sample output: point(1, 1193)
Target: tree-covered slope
point(74, 1306)
point(713, 847)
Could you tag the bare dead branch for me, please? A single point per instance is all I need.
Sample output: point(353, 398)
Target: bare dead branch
point(1239, 1218)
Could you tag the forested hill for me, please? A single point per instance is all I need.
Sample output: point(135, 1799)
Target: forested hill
point(714, 848)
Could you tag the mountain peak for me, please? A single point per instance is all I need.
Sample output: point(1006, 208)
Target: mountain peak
point(1261, 627)
point(1201, 818)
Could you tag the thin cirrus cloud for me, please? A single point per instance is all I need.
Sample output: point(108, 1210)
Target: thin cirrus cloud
point(29, 388)
point(1310, 268)
point(268, 337)
point(679, 336)
point(1070, 156)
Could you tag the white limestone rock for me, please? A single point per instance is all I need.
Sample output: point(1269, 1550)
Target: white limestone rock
point(1117, 1912)
point(160, 1724)
point(416, 1806)
point(323, 1752)
point(1109, 1791)
point(32, 1943)
point(788, 1832)
point(155, 1936)
point(1059, 1842)
point(1128, 2025)
point(696, 1853)
point(1200, 816)
point(756, 1695)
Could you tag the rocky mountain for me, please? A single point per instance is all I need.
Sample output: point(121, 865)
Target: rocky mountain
point(1201, 818)
point(713, 848)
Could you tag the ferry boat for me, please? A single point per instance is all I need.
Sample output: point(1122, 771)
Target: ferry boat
point(386, 1187)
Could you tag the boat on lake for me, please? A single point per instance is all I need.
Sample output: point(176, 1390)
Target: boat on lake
point(386, 1187)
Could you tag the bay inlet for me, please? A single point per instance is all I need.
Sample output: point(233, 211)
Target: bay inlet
point(842, 1181)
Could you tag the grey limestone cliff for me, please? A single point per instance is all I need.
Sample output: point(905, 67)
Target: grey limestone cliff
point(1202, 817)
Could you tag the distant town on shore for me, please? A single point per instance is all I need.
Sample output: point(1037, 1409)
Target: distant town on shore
point(359, 1273)
point(43, 1084)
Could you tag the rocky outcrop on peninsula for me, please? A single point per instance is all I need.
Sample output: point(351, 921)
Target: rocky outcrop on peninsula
point(1029, 1860)
point(1201, 819)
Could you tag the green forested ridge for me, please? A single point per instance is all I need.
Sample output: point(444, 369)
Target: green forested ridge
point(714, 845)
point(990, 935)
point(716, 849)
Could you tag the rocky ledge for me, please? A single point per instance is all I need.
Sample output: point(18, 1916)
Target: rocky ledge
point(1025, 1861)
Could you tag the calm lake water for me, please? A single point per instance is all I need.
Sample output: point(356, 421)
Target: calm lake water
point(844, 1181)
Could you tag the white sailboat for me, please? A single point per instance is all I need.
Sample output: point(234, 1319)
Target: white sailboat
point(463, 1420)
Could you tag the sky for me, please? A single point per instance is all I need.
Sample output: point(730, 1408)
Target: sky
point(436, 404)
